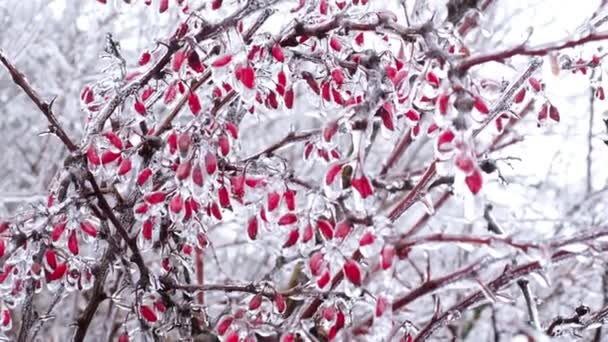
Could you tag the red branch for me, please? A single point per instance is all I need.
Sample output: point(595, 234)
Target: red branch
point(466, 239)
point(508, 276)
point(415, 194)
point(397, 152)
point(523, 50)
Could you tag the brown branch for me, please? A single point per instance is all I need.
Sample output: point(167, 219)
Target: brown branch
point(97, 296)
point(432, 285)
point(427, 287)
point(131, 242)
point(559, 321)
point(507, 277)
point(45, 107)
point(166, 123)
point(424, 219)
point(312, 307)
point(257, 24)
point(52, 305)
point(413, 195)
point(397, 152)
point(598, 317)
point(29, 316)
point(263, 290)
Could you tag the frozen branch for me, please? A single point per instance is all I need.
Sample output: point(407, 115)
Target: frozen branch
point(524, 285)
point(174, 44)
point(523, 50)
point(98, 295)
point(45, 107)
point(574, 319)
point(509, 275)
point(498, 108)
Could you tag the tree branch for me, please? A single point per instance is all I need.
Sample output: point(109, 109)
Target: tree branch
point(45, 107)
point(524, 285)
point(97, 296)
point(523, 50)
point(508, 276)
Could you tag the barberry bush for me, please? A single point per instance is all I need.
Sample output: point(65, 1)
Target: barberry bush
point(303, 170)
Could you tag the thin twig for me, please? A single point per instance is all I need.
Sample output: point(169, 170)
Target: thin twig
point(508, 276)
point(175, 44)
point(97, 296)
point(60, 293)
point(45, 107)
point(524, 285)
point(291, 138)
point(523, 50)
point(497, 109)
point(589, 180)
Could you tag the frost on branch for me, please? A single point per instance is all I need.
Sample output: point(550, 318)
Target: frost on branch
point(306, 171)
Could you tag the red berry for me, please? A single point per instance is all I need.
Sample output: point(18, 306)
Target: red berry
point(352, 272)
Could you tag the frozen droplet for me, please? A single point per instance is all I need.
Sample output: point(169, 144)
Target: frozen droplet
point(485, 24)
point(466, 246)
point(473, 206)
point(444, 154)
point(495, 252)
point(372, 249)
point(143, 243)
point(39, 285)
point(453, 315)
point(427, 201)
point(542, 255)
point(504, 298)
point(487, 292)
point(86, 280)
point(54, 286)
point(575, 247)
point(6, 321)
point(542, 279)
point(352, 290)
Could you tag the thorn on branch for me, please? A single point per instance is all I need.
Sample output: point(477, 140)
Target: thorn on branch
point(45, 108)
